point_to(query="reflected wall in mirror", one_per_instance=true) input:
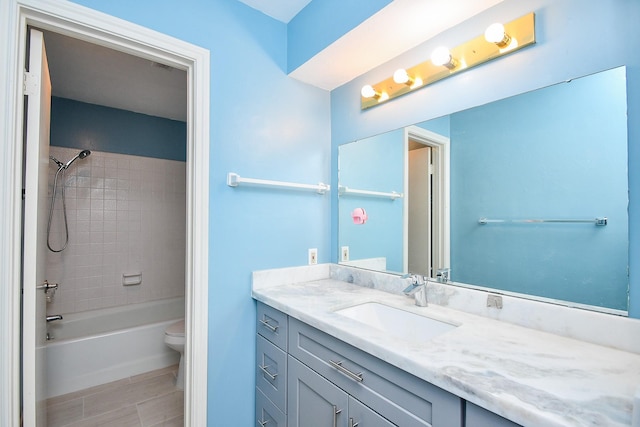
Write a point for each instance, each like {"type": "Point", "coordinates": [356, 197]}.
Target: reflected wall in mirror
{"type": "Point", "coordinates": [555, 153]}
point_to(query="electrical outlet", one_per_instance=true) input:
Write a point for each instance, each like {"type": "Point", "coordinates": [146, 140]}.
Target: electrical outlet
{"type": "Point", "coordinates": [344, 253]}
{"type": "Point", "coordinates": [313, 256]}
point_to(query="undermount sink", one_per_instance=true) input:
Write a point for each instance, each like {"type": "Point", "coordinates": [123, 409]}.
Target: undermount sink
{"type": "Point", "coordinates": [396, 322]}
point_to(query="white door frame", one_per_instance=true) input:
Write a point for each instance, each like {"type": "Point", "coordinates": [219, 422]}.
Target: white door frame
{"type": "Point", "coordinates": [441, 218]}
{"type": "Point", "coordinates": [96, 27]}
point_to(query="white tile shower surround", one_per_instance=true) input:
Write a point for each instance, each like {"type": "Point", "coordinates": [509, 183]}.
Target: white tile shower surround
{"type": "Point", "coordinates": [149, 399]}
{"type": "Point", "coordinates": [126, 214]}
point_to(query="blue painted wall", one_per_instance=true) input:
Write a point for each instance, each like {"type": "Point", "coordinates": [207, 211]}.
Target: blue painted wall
{"type": "Point", "coordinates": [80, 125]}
{"type": "Point", "coordinates": [565, 49]}
{"type": "Point", "coordinates": [321, 23]}
{"type": "Point", "coordinates": [374, 164]}
{"type": "Point", "coordinates": [263, 125]}
{"type": "Point", "coordinates": [562, 155]}
{"type": "Point", "coordinates": [440, 125]}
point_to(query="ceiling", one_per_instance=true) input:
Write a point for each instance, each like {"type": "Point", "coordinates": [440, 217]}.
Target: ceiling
{"type": "Point", "coordinates": [282, 10]}
{"type": "Point", "coordinates": [98, 75]}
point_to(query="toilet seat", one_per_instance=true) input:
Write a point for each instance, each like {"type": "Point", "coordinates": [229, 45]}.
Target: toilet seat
{"type": "Point", "coordinates": [176, 329]}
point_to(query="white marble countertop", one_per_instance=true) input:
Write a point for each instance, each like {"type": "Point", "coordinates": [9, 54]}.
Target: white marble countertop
{"type": "Point", "coordinates": [531, 377]}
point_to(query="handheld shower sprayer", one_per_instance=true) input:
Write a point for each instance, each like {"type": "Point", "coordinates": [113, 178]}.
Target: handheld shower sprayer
{"type": "Point", "coordinates": [62, 167]}
{"type": "Point", "coordinates": [80, 155]}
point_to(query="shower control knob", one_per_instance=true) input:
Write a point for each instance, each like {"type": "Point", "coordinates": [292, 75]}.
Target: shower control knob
{"type": "Point", "coordinates": [47, 286]}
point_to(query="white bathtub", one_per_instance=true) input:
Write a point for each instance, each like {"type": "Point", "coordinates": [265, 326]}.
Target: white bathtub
{"type": "Point", "coordinates": [99, 346]}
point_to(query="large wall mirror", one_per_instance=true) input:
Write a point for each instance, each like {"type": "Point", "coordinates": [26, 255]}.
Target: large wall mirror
{"type": "Point", "coordinates": [527, 195]}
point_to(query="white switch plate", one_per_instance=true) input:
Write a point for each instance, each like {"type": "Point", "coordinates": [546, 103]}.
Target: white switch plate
{"type": "Point", "coordinates": [313, 256]}
{"type": "Point", "coordinates": [344, 253]}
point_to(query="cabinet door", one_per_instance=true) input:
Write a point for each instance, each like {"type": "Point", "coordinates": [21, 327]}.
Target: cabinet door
{"type": "Point", "coordinates": [397, 395]}
{"type": "Point", "coordinates": [363, 416]}
{"type": "Point", "coordinates": [314, 401]}
{"type": "Point", "coordinates": [479, 417]}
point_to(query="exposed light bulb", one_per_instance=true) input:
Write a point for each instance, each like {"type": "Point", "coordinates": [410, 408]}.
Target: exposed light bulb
{"type": "Point", "coordinates": [368, 92]}
{"type": "Point", "coordinates": [401, 76]}
{"type": "Point", "coordinates": [495, 33]}
{"type": "Point", "coordinates": [441, 57]}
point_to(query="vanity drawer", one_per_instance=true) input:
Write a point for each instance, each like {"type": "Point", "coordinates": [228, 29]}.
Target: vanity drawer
{"type": "Point", "coordinates": [272, 324]}
{"type": "Point", "coordinates": [266, 412]}
{"type": "Point", "coordinates": [400, 397]}
{"type": "Point", "coordinates": [271, 372]}
{"type": "Point", "coordinates": [479, 417]}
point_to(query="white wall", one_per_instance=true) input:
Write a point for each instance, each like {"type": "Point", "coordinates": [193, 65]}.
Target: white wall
{"type": "Point", "coordinates": [126, 214]}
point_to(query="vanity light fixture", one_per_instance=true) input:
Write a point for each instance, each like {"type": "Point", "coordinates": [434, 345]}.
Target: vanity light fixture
{"type": "Point", "coordinates": [441, 57]}
{"type": "Point", "coordinates": [498, 40]}
{"type": "Point", "coordinates": [402, 77]}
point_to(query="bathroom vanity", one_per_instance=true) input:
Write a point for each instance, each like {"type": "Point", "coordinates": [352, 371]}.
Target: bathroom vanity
{"type": "Point", "coordinates": [323, 358]}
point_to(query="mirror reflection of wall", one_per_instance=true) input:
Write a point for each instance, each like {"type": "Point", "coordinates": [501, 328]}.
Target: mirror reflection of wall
{"type": "Point", "coordinates": [376, 164]}
{"type": "Point", "coordinates": [558, 152]}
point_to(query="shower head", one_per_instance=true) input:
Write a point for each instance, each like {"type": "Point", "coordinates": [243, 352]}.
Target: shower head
{"type": "Point", "coordinates": [83, 154]}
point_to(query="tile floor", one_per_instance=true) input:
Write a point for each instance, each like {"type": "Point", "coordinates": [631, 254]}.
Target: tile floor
{"type": "Point", "coordinates": [146, 400]}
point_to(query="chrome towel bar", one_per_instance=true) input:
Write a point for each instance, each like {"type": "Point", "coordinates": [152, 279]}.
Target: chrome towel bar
{"type": "Point", "coordinates": [601, 221]}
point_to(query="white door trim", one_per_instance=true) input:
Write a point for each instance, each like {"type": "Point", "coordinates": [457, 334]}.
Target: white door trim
{"type": "Point", "coordinates": [441, 218]}
{"type": "Point", "coordinates": [95, 27]}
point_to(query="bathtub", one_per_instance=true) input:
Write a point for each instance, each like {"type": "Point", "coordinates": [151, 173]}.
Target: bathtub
{"type": "Point", "coordinates": [99, 346]}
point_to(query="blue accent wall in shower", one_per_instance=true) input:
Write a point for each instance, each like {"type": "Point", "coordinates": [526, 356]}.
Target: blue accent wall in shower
{"type": "Point", "coordinates": [76, 124]}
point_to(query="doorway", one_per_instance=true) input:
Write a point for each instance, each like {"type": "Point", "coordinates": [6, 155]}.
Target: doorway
{"type": "Point", "coordinates": [95, 27]}
{"type": "Point", "coordinates": [426, 207]}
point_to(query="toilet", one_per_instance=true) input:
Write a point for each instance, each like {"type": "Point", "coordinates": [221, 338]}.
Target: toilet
{"type": "Point", "coordinates": [174, 338]}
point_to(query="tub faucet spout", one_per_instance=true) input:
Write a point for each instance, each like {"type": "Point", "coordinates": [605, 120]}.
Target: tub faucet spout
{"type": "Point", "coordinates": [54, 317]}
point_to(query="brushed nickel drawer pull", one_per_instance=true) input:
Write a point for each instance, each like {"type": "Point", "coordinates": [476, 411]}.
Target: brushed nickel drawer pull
{"type": "Point", "coordinates": [336, 411]}
{"type": "Point", "coordinates": [338, 365]}
{"type": "Point", "coordinates": [268, 325]}
{"type": "Point", "coordinates": [262, 423]}
{"type": "Point", "coordinates": [352, 423]}
{"type": "Point", "coordinates": [266, 372]}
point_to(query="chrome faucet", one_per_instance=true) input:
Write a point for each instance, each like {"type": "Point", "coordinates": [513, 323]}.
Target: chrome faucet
{"type": "Point", "coordinates": [417, 288]}
{"type": "Point", "coordinates": [54, 317]}
{"type": "Point", "coordinates": [443, 275]}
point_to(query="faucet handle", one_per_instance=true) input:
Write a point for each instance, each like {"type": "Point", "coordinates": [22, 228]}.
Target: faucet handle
{"type": "Point", "coordinates": [415, 279]}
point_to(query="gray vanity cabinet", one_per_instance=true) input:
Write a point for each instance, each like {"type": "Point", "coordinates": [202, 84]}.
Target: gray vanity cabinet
{"type": "Point", "coordinates": [307, 378]}
{"type": "Point", "coordinates": [316, 402]}
{"type": "Point", "coordinates": [479, 417]}
{"type": "Point", "coordinates": [398, 396]}
{"type": "Point", "coordinates": [271, 366]}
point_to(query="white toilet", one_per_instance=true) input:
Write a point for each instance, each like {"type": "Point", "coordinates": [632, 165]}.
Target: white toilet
{"type": "Point", "coordinates": [174, 338]}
